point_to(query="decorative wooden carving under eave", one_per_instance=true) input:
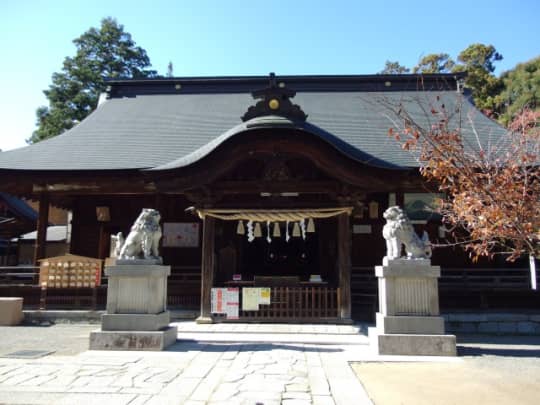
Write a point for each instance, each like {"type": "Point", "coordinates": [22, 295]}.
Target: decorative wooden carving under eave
{"type": "Point", "coordinates": [203, 196]}
{"type": "Point", "coordinates": [347, 195]}
{"type": "Point", "coordinates": [274, 100]}
{"type": "Point", "coordinates": [277, 171]}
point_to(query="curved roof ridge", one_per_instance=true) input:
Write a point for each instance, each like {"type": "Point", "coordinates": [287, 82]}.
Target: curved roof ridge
{"type": "Point", "coordinates": [275, 121]}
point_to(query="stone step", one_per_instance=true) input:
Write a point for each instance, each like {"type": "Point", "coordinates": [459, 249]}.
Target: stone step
{"type": "Point", "coordinates": [285, 338]}
{"type": "Point", "coordinates": [273, 328]}
{"type": "Point", "coordinates": [274, 333]}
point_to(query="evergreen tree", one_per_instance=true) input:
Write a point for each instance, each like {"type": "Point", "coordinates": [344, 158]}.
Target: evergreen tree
{"type": "Point", "coordinates": [521, 89]}
{"type": "Point", "coordinates": [478, 61]}
{"type": "Point", "coordinates": [434, 63]}
{"type": "Point", "coordinates": [393, 68]}
{"type": "Point", "coordinates": [104, 52]}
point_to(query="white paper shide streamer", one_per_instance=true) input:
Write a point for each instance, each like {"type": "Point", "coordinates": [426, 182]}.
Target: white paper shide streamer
{"type": "Point", "coordinates": [250, 235]}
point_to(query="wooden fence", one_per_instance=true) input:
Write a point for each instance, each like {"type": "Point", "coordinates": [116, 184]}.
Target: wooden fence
{"type": "Point", "coordinates": [302, 303]}
{"type": "Point", "coordinates": [459, 288]}
{"type": "Point", "coordinates": [19, 275]}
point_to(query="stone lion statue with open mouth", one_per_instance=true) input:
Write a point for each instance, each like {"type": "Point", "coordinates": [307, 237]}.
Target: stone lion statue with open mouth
{"type": "Point", "coordinates": [399, 231]}
{"type": "Point", "coordinates": [143, 239]}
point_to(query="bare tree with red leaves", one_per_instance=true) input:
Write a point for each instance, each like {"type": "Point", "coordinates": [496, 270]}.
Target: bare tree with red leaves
{"type": "Point", "coordinates": [492, 190]}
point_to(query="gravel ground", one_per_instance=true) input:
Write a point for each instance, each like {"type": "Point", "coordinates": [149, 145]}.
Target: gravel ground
{"type": "Point", "coordinates": [493, 370]}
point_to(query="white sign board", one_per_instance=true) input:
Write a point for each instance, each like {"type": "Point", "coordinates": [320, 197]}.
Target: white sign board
{"type": "Point", "coordinates": [181, 234]}
{"type": "Point", "coordinates": [253, 297]}
{"type": "Point", "coordinates": [226, 301]}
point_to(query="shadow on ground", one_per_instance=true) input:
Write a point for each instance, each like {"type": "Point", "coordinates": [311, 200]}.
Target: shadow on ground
{"type": "Point", "coordinates": [484, 351]}
{"type": "Point", "coordinates": [187, 345]}
{"type": "Point", "coordinates": [493, 345]}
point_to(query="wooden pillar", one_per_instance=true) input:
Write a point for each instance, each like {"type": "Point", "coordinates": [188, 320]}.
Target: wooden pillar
{"type": "Point", "coordinates": [207, 269]}
{"type": "Point", "coordinates": [43, 221]}
{"type": "Point", "coordinates": [344, 265]}
{"type": "Point", "coordinates": [400, 199]}
{"type": "Point", "coordinates": [103, 242]}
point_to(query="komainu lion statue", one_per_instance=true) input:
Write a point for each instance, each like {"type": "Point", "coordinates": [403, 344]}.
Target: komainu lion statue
{"type": "Point", "coordinates": [398, 230]}
{"type": "Point", "coordinates": [143, 239]}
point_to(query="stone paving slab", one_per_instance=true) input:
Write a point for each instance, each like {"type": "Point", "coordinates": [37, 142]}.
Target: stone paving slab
{"type": "Point", "coordinates": [244, 365]}
{"type": "Point", "coordinates": [222, 372]}
{"type": "Point", "coordinates": [210, 364]}
{"type": "Point", "coordinates": [189, 373]}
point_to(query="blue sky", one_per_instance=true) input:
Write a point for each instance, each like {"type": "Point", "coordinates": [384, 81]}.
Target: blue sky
{"type": "Point", "coordinates": [253, 37]}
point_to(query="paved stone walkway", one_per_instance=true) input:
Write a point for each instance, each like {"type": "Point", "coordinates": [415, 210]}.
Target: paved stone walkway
{"type": "Point", "coordinates": [267, 370]}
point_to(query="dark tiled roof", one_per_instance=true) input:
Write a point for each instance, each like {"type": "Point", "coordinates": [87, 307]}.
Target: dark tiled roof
{"type": "Point", "coordinates": [151, 124]}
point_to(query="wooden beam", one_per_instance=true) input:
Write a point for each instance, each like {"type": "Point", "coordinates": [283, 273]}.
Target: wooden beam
{"type": "Point", "coordinates": [42, 223]}
{"type": "Point", "coordinates": [207, 269]}
{"type": "Point", "coordinates": [75, 186]}
{"type": "Point", "coordinates": [258, 186]}
{"type": "Point", "coordinates": [344, 266]}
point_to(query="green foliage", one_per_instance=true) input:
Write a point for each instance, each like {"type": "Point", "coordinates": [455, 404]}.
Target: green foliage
{"type": "Point", "coordinates": [393, 68]}
{"type": "Point", "coordinates": [521, 89]}
{"type": "Point", "coordinates": [435, 63]}
{"type": "Point", "coordinates": [480, 56]}
{"type": "Point", "coordinates": [107, 52]}
{"type": "Point", "coordinates": [478, 61]}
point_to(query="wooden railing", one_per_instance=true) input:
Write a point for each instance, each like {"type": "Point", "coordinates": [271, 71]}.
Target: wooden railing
{"type": "Point", "coordinates": [16, 275]}
{"type": "Point", "coordinates": [184, 287]}
{"type": "Point", "coordinates": [364, 293]}
{"type": "Point", "coordinates": [485, 279]}
{"type": "Point", "coordinates": [487, 288]}
{"type": "Point", "coordinates": [297, 304]}
{"type": "Point", "coordinates": [458, 288]}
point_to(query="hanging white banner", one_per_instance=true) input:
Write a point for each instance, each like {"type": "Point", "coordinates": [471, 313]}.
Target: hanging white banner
{"type": "Point", "coordinates": [532, 267]}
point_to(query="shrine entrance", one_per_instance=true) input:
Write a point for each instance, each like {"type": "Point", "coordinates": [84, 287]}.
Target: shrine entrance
{"type": "Point", "coordinates": [262, 177]}
{"type": "Point", "coordinates": [271, 254]}
{"type": "Point", "coordinates": [277, 257]}
{"type": "Point", "coordinates": [273, 265]}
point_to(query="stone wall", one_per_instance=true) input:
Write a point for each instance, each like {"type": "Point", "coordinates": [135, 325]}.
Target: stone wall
{"type": "Point", "coordinates": [493, 323]}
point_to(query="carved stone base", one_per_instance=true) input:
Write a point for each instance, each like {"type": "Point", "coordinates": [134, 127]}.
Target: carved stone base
{"type": "Point", "coordinates": [408, 322]}
{"type": "Point", "coordinates": [137, 289]}
{"type": "Point", "coordinates": [413, 345]}
{"type": "Point", "coordinates": [408, 287]}
{"type": "Point", "coordinates": [135, 322]}
{"type": "Point", "coordinates": [430, 325]}
{"type": "Point", "coordinates": [133, 340]}
{"type": "Point", "coordinates": [138, 262]}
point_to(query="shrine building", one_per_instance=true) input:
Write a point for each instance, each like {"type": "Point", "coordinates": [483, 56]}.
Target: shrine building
{"type": "Point", "coordinates": [276, 182]}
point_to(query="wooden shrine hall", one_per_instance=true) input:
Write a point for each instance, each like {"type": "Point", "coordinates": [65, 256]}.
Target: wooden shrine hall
{"type": "Point", "coordinates": [266, 185]}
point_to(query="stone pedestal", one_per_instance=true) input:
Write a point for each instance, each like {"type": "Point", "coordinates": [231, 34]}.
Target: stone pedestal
{"type": "Point", "coordinates": [408, 321]}
{"type": "Point", "coordinates": [137, 316]}
{"type": "Point", "coordinates": [11, 311]}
